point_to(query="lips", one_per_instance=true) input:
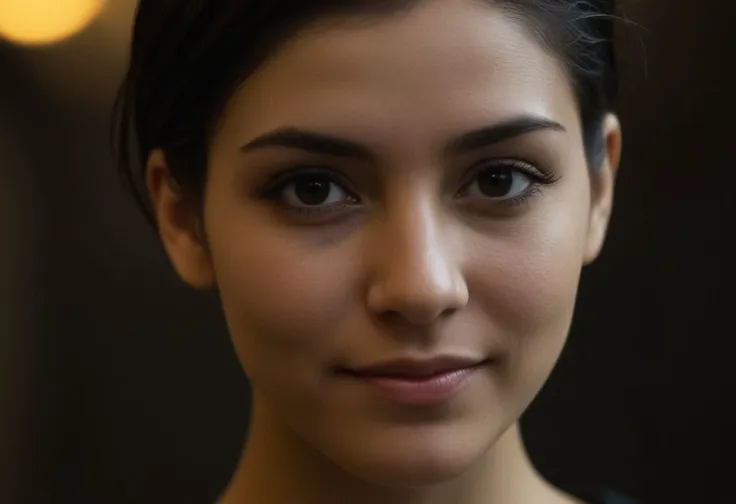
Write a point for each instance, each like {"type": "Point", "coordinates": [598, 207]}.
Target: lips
{"type": "Point", "coordinates": [416, 369]}
{"type": "Point", "coordinates": [416, 382]}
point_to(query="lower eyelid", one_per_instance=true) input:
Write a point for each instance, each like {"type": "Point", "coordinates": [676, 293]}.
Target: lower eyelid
{"type": "Point", "coordinates": [488, 206]}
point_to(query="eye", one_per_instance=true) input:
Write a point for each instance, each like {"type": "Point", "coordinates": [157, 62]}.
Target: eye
{"type": "Point", "coordinates": [503, 180]}
{"type": "Point", "coordinates": [313, 190]}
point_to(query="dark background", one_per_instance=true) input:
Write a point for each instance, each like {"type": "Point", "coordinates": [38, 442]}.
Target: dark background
{"type": "Point", "coordinates": [118, 385]}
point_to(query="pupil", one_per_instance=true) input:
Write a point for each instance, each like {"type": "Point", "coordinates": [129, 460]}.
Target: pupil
{"type": "Point", "coordinates": [312, 191]}
{"type": "Point", "coordinates": [496, 183]}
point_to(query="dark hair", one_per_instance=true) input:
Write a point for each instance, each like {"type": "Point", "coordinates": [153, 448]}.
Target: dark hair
{"type": "Point", "coordinates": [188, 57]}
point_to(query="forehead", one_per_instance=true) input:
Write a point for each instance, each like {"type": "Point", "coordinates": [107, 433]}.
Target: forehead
{"type": "Point", "coordinates": [442, 66]}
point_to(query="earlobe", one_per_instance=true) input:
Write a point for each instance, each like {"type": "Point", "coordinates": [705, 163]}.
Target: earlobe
{"type": "Point", "coordinates": [179, 225]}
{"type": "Point", "coordinates": [603, 181]}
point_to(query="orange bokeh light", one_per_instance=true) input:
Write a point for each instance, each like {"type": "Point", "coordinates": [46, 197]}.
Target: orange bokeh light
{"type": "Point", "coordinates": [41, 22]}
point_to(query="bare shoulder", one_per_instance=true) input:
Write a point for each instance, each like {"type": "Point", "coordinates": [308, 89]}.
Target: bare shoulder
{"type": "Point", "coordinates": [558, 496]}
{"type": "Point", "coordinates": [599, 497]}
{"type": "Point", "coordinates": [565, 498]}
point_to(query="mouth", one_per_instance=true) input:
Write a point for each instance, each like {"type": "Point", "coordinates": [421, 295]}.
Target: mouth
{"type": "Point", "coordinates": [413, 382]}
{"type": "Point", "coordinates": [416, 369]}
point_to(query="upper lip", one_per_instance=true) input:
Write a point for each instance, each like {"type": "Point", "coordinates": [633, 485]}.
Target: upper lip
{"type": "Point", "coordinates": [416, 368]}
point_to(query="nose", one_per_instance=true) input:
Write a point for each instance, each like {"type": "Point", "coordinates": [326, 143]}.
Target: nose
{"type": "Point", "coordinates": [419, 276]}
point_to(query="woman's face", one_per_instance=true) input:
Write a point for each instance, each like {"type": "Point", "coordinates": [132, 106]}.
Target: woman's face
{"type": "Point", "coordinates": [410, 188]}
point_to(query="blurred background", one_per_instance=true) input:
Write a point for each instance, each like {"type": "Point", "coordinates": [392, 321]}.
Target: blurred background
{"type": "Point", "coordinates": [118, 385]}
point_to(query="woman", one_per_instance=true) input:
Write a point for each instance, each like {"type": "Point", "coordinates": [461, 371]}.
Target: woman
{"type": "Point", "coordinates": [394, 201]}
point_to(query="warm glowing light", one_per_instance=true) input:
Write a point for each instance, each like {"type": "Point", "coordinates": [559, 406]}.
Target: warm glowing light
{"type": "Point", "coordinates": [39, 22]}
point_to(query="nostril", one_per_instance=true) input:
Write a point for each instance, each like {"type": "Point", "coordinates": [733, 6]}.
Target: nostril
{"type": "Point", "coordinates": [417, 315]}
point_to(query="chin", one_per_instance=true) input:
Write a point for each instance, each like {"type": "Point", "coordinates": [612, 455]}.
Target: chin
{"type": "Point", "coordinates": [414, 460]}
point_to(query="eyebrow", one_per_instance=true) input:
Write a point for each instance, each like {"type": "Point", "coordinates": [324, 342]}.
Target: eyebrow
{"type": "Point", "coordinates": [320, 143]}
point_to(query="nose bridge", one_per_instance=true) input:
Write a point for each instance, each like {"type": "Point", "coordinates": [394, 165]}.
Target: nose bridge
{"type": "Point", "coordinates": [419, 253]}
{"type": "Point", "coordinates": [419, 273]}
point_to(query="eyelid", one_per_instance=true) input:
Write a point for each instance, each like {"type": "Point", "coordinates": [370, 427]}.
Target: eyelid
{"type": "Point", "coordinates": [521, 165]}
{"type": "Point", "coordinates": [277, 183]}
{"type": "Point", "coordinates": [528, 168]}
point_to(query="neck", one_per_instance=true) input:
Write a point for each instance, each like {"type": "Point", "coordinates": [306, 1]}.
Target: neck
{"type": "Point", "coordinates": [277, 467]}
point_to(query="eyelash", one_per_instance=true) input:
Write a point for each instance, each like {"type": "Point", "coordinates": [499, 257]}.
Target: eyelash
{"type": "Point", "coordinates": [538, 179]}
{"type": "Point", "coordinates": [274, 189]}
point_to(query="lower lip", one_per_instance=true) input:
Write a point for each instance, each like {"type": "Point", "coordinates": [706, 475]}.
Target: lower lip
{"type": "Point", "coordinates": [427, 391]}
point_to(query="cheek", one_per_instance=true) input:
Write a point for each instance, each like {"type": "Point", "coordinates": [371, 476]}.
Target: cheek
{"type": "Point", "coordinates": [526, 284]}
{"type": "Point", "coordinates": [282, 296]}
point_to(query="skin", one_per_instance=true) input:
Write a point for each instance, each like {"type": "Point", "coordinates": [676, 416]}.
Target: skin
{"type": "Point", "coordinates": [417, 262]}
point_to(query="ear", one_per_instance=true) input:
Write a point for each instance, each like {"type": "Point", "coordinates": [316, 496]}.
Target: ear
{"type": "Point", "coordinates": [179, 225]}
{"type": "Point", "coordinates": [603, 180]}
